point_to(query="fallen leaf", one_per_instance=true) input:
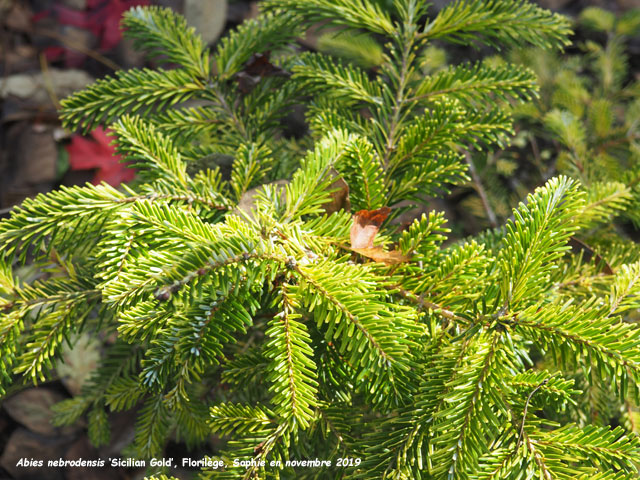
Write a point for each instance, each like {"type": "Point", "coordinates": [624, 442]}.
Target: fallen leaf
{"type": "Point", "coordinates": [122, 432]}
{"type": "Point", "coordinates": [377, 254]}
{"type": "Point", "coordinates": [19, 58]}
{"type": "Point", "coordinates": [79, 361]}
{"type": "Point", "coordinates": [259, 64]}
{"type": "Point", "coordinates": [366, 224]}
{"type": "Point", "coordinates": [18, 17]}
{"type": "Point", "coordinates": [77, 4]}
{"type": "Point", "coordinates": [339, 195]}
{"type": "Point", "coordinates": [32, 408]}
{"type": "Point", "coordinates": [33, 86]}
{"type": "Point", "coordinates": [98, 154]}
{"type": "Point", "coordinates": [248, 200]}
{"type": "Point", "coordinates": [82, 449]}
{"type": "Point", "coordinates": [578, 245]}
{"type": "Point", "coordinates": [23, 444]}
{"type": "Point", "coordinates": [35, 156]}
{"type": "Point", "coordinates": [255, 69]}
{"type": "Point", "coordinates": [100, 17]}
{"type": "Point", "coordinates": [81, 38]}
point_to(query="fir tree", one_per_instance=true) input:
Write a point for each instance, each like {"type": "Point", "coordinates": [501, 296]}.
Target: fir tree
{"type": "Point", "coordinates": [585, 123]}
{"type": "Point", "coordinates": [412, 359]}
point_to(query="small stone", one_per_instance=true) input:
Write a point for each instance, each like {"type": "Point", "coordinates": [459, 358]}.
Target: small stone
{"type": "Point", "coordinates": [207, 16]}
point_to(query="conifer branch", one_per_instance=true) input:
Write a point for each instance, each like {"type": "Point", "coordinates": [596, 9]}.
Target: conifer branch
{"type": "Point", "coordinates": [292, 368]}
{"type": "Point", "coordinates": [513, 22]}
{"type": "Point", "coordinates": [164, 34]}
{"type": "Point", "coordinates": [133, 91]}
{"type": "Point", "coordinates": [425, 304]}
{"type": "Point", "coordinates": [403, 74]}
{"type": "Point", "coordinates": [422, 369]}
{"type": "Point", "coordinates": [530, 246]}
{"type": "Point", "coordinates": [477, 83]}
{"type": "Point", "coordinates": [363, 14]}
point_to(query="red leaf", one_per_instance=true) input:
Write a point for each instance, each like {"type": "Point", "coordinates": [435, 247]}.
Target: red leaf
{"type": "Point", "coordinates": [109, 21]}
{"type": "Point", "coordinates": [98, 153]}
{"type": "Point", "coordinates": [100, 17]}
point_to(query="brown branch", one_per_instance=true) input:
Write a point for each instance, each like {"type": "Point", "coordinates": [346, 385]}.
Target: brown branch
{"type": "Point", "coordinates": [77, 46]}
{"type": "Point", "coordinates": [481, 191]}
{"type": "Point", "coordinates": [427, 305]}
{"type": "Point", "coordinates": [185, 198]}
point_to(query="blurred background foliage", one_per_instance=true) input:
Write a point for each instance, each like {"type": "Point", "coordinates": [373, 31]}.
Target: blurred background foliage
{"type": "Point", "coordinates": [585, 123]}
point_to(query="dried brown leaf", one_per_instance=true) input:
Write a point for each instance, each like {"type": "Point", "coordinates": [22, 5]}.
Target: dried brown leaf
{"type": "Point", "coordinates": [366, 224]}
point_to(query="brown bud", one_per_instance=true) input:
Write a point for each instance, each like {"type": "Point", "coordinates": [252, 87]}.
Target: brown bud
{"type": "Point", "coordinates": [163, 294]}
